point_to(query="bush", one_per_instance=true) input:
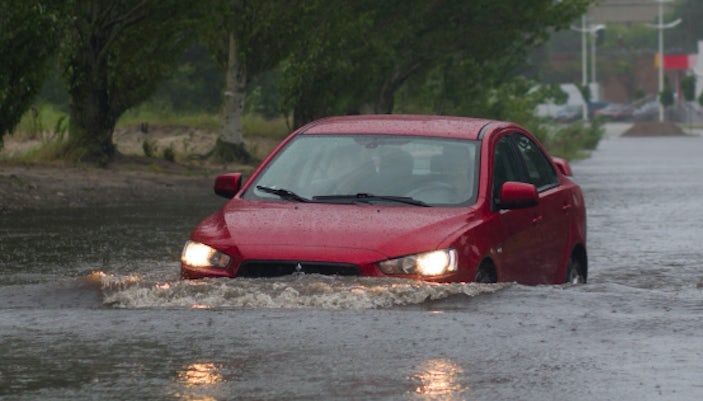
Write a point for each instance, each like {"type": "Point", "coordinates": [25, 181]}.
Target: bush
{"type": "Point", "coordinates": [149, 148]}
{"type": "Point", "coordinates": [169, 154]}
{"type": "Point", "coordinates": [572, 140]}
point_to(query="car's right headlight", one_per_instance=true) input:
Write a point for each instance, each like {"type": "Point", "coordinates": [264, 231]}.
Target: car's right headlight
{"type": "Point", "coordinates": [197, 255]}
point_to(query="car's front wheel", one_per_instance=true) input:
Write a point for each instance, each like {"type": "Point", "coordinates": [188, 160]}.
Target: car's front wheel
{"type": "Point", "coordinates": [575, 272]}
{"type": "Point", "coordinates": [486, 274]}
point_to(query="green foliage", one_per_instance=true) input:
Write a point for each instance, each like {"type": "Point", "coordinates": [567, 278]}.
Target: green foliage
{"type": "Point", "coordinates": [570, 141]}
{"type": "Point", "coordinates": [115, 55]}
{"type": "Point", "coordinates": [195, 85]}
{"type": "Point", "coordinates": [36, 122]}
{"type": "Point", "coordinates": [666, 96]}
{"type": "Point", "coordinates": [160, 116]}
{"type": "Point", "coordinates": [687, 35]}
{"type": "Point", "coordinates": [226, 152]}
{"type": "Point", "coordinates": [263, 97]}
{"type": "Point", "coordinates": [301, 58]}
{"type": "Point", "coordinates": [362, 54]}
{"type": "Point", "coordinates": [256, 125]}
{"type": "Point", "coordinates": [688, 87]}
{"type": "Point", "coordinates": [333, 62]}
{"type": "Point", "coordinates": [29, 33]}
{"type": "Point", "coordinates": [169, 154]}
{"type": "Point", "coordinates": [60, 129]}
{"type": "Point", "coordinates": [149, 148]}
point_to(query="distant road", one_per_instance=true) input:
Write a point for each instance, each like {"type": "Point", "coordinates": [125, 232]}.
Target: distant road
{"type": "Point", "coordinates": [614, 129]}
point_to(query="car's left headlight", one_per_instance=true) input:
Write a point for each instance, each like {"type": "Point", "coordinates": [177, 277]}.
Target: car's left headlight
{"type": "Point", "coordinates": [432, 263]}
{"type": "Point", "coordinates": [196, 254]}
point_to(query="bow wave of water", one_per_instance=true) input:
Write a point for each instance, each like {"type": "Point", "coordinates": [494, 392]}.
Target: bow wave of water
{"type": "Point", "coordinates": [297, 291]}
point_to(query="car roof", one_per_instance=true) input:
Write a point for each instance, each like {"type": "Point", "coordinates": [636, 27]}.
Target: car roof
{"type": "Point", "coordinates": [402, 124]}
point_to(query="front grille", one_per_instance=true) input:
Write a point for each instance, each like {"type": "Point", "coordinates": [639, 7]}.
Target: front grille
{"type": "Point", "coordinates": [276, 268]}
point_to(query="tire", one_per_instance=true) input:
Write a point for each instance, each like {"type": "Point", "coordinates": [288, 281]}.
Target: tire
{"type": "Point", "coordinates": [574, 272]}
{"type": "Point", "coordinates": [486, 274]}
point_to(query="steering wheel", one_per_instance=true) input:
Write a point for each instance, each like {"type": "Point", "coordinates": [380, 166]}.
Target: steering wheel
{"type": "Point", "coordinates": [435, 192]}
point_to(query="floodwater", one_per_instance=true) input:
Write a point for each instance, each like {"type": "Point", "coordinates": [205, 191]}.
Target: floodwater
{"type": "Point", "coordinates": [91, 309]}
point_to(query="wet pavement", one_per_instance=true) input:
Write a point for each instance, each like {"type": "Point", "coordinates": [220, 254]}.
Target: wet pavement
{"type": "Point", "coordinates": [91, 308]}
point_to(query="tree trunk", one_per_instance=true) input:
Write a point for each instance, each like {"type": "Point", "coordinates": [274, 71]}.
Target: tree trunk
{"type": "Point", "coordinates": [235, 90]}
{"type": "Point", "coordinates": [230, 144]}
{"type": "Point", "coordinates": [302, 114]}
{"type": "Point", "coordinates": [92, 121]}
{"type": "Point", "coordinates": [386, 99]}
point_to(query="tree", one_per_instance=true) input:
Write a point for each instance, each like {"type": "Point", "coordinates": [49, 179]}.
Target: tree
{"type": "Point", "coordinates": [195, 85]}
{"type": "Point", "coordinates": [115, 54]}
{"type": "Point", "coordinates": [332, 63]}
{"type": "Point", "coordinates": [687, 35]}
{"type": "Point", "coordinates": [29, 35]}
{"type": "Point", "coordinates": [688, 87]}
{"type": "Point", "coordinates": [666, 96]}
{"type": "Point", "coordinates": [371, 49]}
{"type": "Point", "coordinates": [247, 37]}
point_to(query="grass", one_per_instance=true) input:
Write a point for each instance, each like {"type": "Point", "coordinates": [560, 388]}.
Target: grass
{"type": "Point", "coordinates": [255, 125]}
{"type": "Point", "coordinates": [46, 126]}
{"type": "Point", "coordinates": [252, 125]}
{"type": "Point", "coordinates": [43, 121]}
{"type": "Point", "coordinates": [154, 117]}
{"type": "Point", "coordinates": [48, 123]}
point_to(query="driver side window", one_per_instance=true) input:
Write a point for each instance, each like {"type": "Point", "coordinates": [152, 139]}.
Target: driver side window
{"type": "Point", "coordinates": [505, 167]}
{"type": "Point", "coordinates": [539, 170]}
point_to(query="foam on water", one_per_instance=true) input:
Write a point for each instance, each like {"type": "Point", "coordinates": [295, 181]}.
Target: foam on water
{"type": "Point", "coordinates": [299, 291]}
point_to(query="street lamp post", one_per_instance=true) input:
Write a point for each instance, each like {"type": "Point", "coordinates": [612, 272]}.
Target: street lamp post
{"type": "Point", "coordinates": [661, 26]}
{"type": "Point", "coordinates": [594, 33]}
{"type": "Point", "coordinates": [585, 31]}
{"type": "Point", "coordinates": [584, 67]}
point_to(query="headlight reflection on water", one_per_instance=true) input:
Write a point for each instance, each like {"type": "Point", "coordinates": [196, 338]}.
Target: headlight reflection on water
{"type": "Point", "coordinates": [200, 374]}
{"type": "Point", "coordinates": [198, 378]}
{"type": "Point", "coordinates": [439, 378]}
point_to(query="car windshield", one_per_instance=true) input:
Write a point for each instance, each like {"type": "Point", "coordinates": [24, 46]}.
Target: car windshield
{"type": "Point", "coordinates": [374, 169]}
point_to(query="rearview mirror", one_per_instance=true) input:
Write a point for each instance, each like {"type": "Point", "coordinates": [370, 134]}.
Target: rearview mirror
{"type": "Point", "coordinates": [227, 185]}
{"type": "Point", "coordinates": [517, 195]}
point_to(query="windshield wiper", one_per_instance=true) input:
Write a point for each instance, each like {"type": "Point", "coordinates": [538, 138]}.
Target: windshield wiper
{"type": "Point", "coordinates": [364, 197]}
{"type": "Point", "coordinates": [283, 193]}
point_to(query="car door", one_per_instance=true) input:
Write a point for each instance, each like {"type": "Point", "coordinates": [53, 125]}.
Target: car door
{"type": "Point", "coordinates": [552, 225]}
{"type": "Point", "coordinates": [518, 252]}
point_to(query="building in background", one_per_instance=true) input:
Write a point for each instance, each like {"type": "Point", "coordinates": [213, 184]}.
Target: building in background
{"type": "Point", "coordinates": [625, 11]}
{"type": "Point", "coordinates": [627, 75]}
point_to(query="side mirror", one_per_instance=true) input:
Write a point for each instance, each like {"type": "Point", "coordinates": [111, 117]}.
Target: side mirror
{"type": "Point", "coordinates": [562, 165]}
{"type": "Point", "coordinates": [517, 195]}
{"type": "Point", "coordinates": [227, 185]}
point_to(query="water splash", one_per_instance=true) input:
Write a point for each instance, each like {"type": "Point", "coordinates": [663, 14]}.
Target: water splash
{"type": "Point", "coordinates": [301, 291]}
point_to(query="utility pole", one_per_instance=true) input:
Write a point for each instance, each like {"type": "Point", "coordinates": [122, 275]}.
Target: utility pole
{"type": "Point", "coordinates": [587, 30]}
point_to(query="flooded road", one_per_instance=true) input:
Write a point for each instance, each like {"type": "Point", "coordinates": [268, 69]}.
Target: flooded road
{"type": "Point", "coordinates": [91, 309]}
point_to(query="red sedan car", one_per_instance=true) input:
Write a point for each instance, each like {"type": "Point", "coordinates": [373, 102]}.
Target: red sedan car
{"type": "Point", "coordinates": [445, 199]}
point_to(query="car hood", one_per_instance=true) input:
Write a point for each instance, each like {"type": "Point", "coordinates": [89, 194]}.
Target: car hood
{"type": "Point", "coordinates": [389, 230]}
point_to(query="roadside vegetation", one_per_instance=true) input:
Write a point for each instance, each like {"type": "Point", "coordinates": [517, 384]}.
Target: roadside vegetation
{"type": "Point", "coordinates": [258, 69]}
{"type": "Point", "coordinates": [48, 130]}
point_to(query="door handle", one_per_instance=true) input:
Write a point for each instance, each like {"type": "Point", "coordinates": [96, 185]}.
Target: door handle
{"type": "Point", "coordinates": [566, 207]}
{"type": "Point", "coordinates": [537, 219]}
